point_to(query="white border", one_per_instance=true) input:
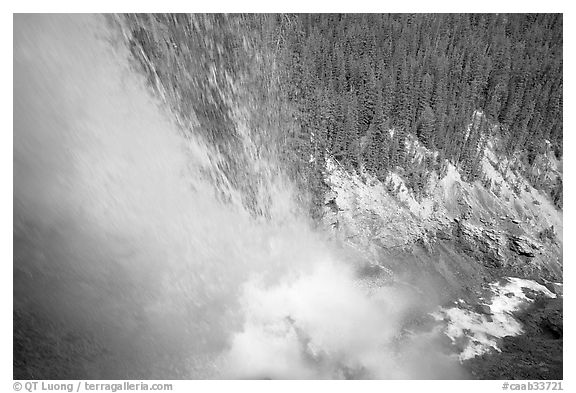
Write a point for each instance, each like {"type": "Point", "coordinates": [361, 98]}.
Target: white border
{"type": "Point", "coordinates": [6, 155]}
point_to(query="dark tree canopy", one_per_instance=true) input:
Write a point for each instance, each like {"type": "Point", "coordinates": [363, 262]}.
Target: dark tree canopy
{"type": "Point", "coordinates": [351, 78]}
{"type": "Point", "coordinates": [427, 74]}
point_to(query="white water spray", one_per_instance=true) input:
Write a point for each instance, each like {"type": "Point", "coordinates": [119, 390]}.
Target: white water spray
{"type": "Point", "coordinates": [118, 235]}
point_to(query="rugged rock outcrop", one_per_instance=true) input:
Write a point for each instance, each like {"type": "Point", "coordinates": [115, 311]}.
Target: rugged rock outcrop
{"type": "Point", "coordinates": [523, 246]}
{"type": "Point", "coordinates": [499, 231]}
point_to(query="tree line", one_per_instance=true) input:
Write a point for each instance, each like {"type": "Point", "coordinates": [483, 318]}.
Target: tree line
{"type": "Point", "coordinates": [354, 77]}
{"type": "Point", "coordinates": [359, 86]}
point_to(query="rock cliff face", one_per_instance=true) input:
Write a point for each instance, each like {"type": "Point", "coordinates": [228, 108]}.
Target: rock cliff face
{"type": "Point", "coordinates": [515, 252]}
{"type": "Point", "coordinates": [456, 245]}
{"type": "Point", "coordinates": [505, 226]}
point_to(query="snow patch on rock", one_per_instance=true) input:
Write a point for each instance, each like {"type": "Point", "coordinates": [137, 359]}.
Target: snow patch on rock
{"type": "Point", "coordinates": [478, 333]}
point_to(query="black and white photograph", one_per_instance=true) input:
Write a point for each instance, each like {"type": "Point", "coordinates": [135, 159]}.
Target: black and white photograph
{"type": "Point", "coordinates": [280, 196]}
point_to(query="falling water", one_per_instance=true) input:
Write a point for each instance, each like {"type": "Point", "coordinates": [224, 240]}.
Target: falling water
{"type": "Point", "coordinates": [120, 237]}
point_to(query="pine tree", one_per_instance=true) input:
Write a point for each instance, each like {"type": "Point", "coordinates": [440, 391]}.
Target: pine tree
{"type": "Point", "coordinates": [426, 126]}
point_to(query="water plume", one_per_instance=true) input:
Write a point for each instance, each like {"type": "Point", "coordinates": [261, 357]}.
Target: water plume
{"type": "Point", "coordinates": [120, 236]}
